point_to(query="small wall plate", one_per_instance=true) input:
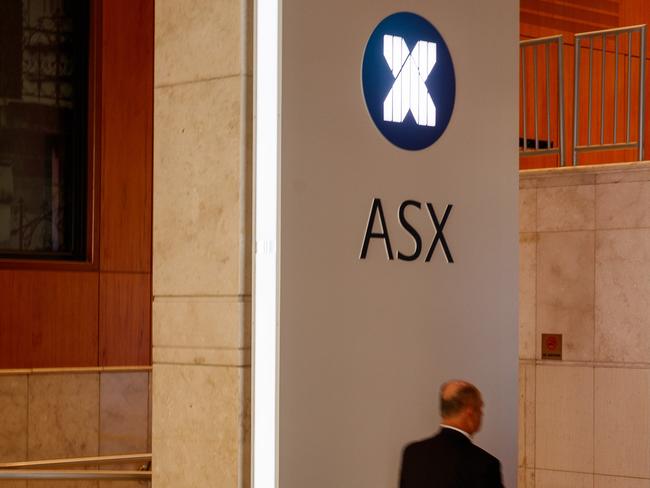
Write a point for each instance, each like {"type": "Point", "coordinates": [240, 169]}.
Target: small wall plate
{"type": "Point", "coordinates": [552, 346]}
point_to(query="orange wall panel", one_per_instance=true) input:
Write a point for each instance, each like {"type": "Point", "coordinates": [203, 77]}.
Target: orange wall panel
{"type": "Point", "coordinates": [61, 314]}
{"type": "Point", "coordinates": [125, 319]}
{"type": "Point", "coordinates": [127, 122]}
{"type": "Point", "coordinates": [48, 319]}
{"type": "Point", "coordinates": [540, 18]}
{"type": "Point", "coordinates": [15, 334]}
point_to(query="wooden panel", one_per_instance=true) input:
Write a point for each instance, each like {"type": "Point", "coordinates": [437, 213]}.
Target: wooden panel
{"type": "Point", "coordinates": [127, 129]}
{"type": "Point", "coordinates": [548, 17]}
{"type": "Point", "coordinates": [634, 12]}
{"type": "Point", "coordinates": [540, 18]}
{"type": "Point", "coordinates": [49, 319]}
{"type": "Point", "coordinates": [15, 334]}
{"type": "Point", "coordinates": [50, 312]}
{"type": "Point", "coordinates": [125, 319]}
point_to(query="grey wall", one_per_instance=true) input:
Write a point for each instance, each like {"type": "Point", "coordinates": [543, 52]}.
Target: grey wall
{"type": "Point", "coordinates": [365, 344]}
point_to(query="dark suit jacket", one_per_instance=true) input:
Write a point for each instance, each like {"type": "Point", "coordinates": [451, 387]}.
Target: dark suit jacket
{"type": "Point", "coordinates": [449, 460]}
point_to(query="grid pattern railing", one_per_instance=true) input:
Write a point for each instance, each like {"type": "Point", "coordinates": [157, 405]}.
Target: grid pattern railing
{"type": "Point", "coordinates": [631, 43]}
{"type": "Point", "coordinates": [536, 48]}
{"type": "Point", "coordinates": [608, 93]}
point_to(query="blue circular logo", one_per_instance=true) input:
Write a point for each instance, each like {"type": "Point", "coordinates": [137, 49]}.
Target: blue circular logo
{"type": "Point", "coordinates": [408, 81]}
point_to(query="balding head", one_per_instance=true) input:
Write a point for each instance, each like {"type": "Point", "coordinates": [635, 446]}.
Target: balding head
{"type": "Point", "coordinates": [461, 405]}
{"type": "Point", "coordinates": [455, 395]}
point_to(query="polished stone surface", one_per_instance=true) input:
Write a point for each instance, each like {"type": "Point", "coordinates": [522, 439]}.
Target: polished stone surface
{"type": "Point", "coordinates": [63, 421]}
{"type": "Point", "coordinates": [623, 296]}
{"type": "Point", "coordinates": [521, 419]}
{"type": "Point", "coordinates": [564, 412]}
{"type": "Point", "coordinates": [527, 183]}
{"type": "Point", "coordinates": [13, 418]}
{"type": "Point", "coordinates": [591, 412]}
{"type": "Point", "coordinates": [198, 40]}
{"type": "Point", "coordinates": [566, 208]}
{"type": "Point", "coordinates": [203, 412]}
{"type": "Point", "coordinates": [202, 356]}
{"type": "Point", "coordinates": [65, 411]}
{"type": "Point", "coordinates": [565, 177]}
{"type": "Point", "coordinates": [199, 164]}
{"type": "Point", "coordinates": [525, 478]}
{"type": "Point", "coordinates": [527, 210]}
{"type": "Point", "coordinates": [620, 482]}
{"type": "Point", "coordinates": [562, 479]}
{"type": "Point", "coordinates": [527, 294]}
{"type": "Point", "coordinates": [565, 291]}
{"type": "Point", "coordinates": [638, 172]}
{"type": "Point", "coordinates": [202, 243]}
{"type": "Point", "coordinates": [124, 412]}
{"type": "Point", "coordinates": [221, 322]}
{"type": "Point", "coordinates": [528, 415]}
{"type": "Point", "coordinates": [63, 415]}
{"type": "Point", "coordinates": [623, 205]}
{"type": "Point", "coordinates": [622, 422]}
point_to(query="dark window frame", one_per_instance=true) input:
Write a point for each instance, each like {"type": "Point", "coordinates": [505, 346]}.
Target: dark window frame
{"type": "Point", "coordinates": [86, 256]}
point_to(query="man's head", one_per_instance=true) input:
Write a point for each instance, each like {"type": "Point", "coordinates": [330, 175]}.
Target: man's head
{"type": "Point", "coordinates": [461, 406]}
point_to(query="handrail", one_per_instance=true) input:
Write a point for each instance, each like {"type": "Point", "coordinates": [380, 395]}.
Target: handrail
{"type": "Point", "coordinates": [76, 474]}
{"type": "Point", "coordinates": [540, 40]}
{"type": "Point", "coordinates": [82, 461]}
{"type": "Point", "coordinates": [615, 30]}
{"type": "Point", "coordinates": [32, 470]}
{"type": "Point", "coordinates": [546, 45]}
{"type": "Point", "coordinates": [603, 144]}
{"type": "Point", "coordinates": [83, 369]}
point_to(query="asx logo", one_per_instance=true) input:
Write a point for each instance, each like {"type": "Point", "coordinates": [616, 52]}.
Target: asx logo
{"type": "Point", "coordinates": [409, 92]}
{"type": "Point", "coordinates": [408, 81]}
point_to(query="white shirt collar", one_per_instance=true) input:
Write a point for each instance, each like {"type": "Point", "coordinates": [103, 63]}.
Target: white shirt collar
{"type": "Point", "coordinates": [445, 426]}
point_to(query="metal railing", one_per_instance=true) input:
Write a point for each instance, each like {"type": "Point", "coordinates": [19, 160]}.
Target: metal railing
{"type": "Point", "coordinates": [602, 144]}
{"type": "Point", "coordinates": [45, 469]}
{"type": "Point", "coordinates": [534, 45]}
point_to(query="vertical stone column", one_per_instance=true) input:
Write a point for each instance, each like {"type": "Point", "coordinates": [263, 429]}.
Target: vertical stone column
{"type": "Point", "coordinates": [201, 243]}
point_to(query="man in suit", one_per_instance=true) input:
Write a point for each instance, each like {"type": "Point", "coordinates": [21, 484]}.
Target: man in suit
{"type": "Point", "coordinates": [450, 459]}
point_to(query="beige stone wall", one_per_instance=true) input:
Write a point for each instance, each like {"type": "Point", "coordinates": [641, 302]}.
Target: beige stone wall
{"type": "Point", "coordinates": [201, 243]}
{"type": "Point", "coordinates": [585, 273]}
{"type": "Point", "coordinates": [67, 415]}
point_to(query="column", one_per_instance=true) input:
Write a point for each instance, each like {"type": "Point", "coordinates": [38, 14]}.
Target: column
{"type": "Point", "coordinates": [201, 243]}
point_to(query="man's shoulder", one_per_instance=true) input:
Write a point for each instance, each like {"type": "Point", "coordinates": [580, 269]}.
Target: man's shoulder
{"type": "Point", "coordinates": [422, 447]}
{"type": "Point", "coordinates": [450, 454]}
{"type": "Point", "coordinates": [420, 444]}
{"type": "Point", "coordinates": [443, 439]}
{"type": "Point", "coordinates": [484, 456]}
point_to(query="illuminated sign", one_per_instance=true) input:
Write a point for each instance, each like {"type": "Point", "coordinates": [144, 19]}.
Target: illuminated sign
{"type": "Point", "coordinates": [409, 92]}
{"type": "Point", "coordinates": [408, 81]}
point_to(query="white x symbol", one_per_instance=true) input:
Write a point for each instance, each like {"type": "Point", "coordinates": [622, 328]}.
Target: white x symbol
{"type": "Point", "coordinates": [409, 91]}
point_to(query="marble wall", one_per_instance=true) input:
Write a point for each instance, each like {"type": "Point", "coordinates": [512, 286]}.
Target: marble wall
{"type": "Point", "coordinates": [201, 243]}
{"type": "Point", "coordinates": [63, 415]}
{"type": "Point", "coordinates": [585, 273]}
